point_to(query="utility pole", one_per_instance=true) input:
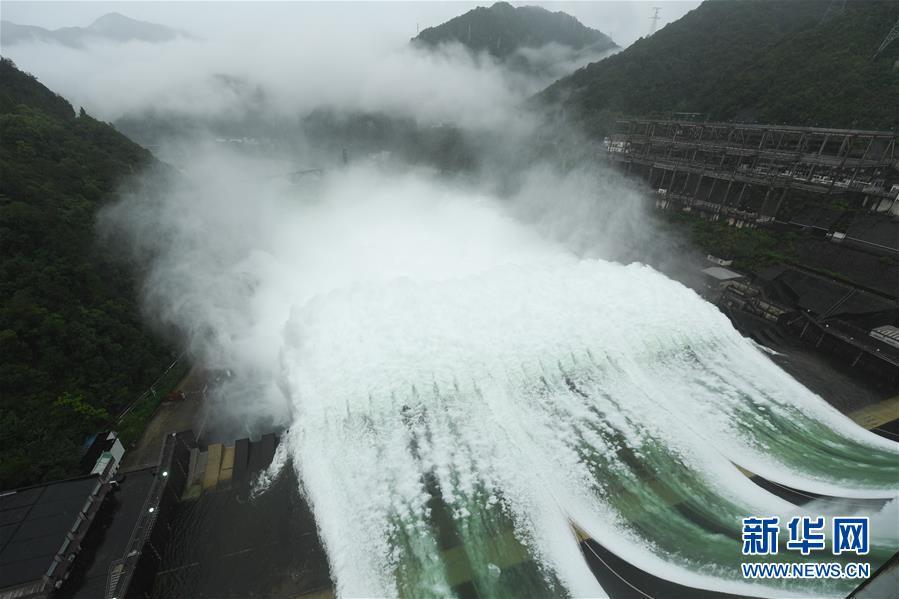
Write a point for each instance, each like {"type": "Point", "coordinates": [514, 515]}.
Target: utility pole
{"type": "Point", "coordinates": [655, 19]}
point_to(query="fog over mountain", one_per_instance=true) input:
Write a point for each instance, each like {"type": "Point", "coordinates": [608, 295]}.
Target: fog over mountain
{"type": "Point", "coordinates": [409, 118]}
{"type": "Point", "coordinates": [623, 20]}
{"type": "Point", "coordinates": [299, 65]}
{"type": "Point", "coordinates": [308, 80]}
{"type": "Point", "coordinates": [112, 27]}
{"type": "Point", "coordinates": [503, 29]}
{"type": "Point", "coordinates": [528, 38]}
{"type": "Point", "coordinates": [294, 52]}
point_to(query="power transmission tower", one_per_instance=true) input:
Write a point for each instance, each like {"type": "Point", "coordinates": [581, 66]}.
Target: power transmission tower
{"type": "Point", "coordinates": [893, 34]}
{"type": "Point", "coordinates": [655, 19]}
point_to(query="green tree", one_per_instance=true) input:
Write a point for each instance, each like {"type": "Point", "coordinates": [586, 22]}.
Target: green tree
{"type": "Point", "coordinates": [74, 350]}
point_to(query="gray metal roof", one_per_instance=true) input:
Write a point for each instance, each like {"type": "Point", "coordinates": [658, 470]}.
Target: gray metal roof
{"type": "Point", "coordinates": [721, 273]}
{"type": "Point", "coordinates": [33, 526]}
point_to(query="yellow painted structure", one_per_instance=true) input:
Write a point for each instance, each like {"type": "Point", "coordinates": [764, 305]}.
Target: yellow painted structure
{"type": "Point", "coordinates": [227, 469]}
{"type": "Point", "coordinates": [877, 415]}
{"type": "Point", "coordinates": [213, 465]}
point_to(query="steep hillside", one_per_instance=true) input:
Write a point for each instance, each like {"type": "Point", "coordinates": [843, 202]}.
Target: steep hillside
{"type": "Point", "coordinates": [74, 351]}
{"type": "Point", "coordinates": [766, 61]}
{"type": "Point", "coordinates": [503, 29]}
{"type": "Point", "coordinates": [825, 76]}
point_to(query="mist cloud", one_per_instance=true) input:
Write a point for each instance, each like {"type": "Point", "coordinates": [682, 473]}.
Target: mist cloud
{"type": "Point", "coordinates": [287, 61]}
{"type": "Point", "coordinates": [280, 77]}
{"type": "Point", "coordinates": [228, 247]}
{"type": "Point", "coordinates": [229, 251]}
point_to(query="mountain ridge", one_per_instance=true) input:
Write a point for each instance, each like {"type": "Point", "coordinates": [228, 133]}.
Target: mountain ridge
{"type": "Point", "coordinates": [502, 29]}
{"type": "Point", "coordinates": [114, 27]}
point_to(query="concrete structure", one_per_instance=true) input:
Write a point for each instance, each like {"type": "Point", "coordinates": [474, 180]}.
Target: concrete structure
{"type": "Point", "coordinates": [718, 261]}
{"type": "Point", "coordinates": [743, 172]}
{"type": "Point", "coordinates": [717, 279]}
{"type": "Point", "coordinates": [131, 575]}
{"type": "Point", "coordinates": [220, 465]}
{"type": "Point", "coordinates": [829, 315]}
{"type": "Point", "coordinates": [887, 334]}
{"type": "Point", "coordinates": [719, 273]}
{"type": "Point", "coordinates": [48, 546]}
{"type": "Point", "coordinates": [883, 582]}
{"type": "Point", "coordinates": [829, 197]}
{"type": "Point", "coordinates": [230, 540]}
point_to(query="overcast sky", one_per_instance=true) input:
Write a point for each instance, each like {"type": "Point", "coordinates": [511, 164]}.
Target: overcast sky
{"type": "Point", "coordinates": [624, 20]}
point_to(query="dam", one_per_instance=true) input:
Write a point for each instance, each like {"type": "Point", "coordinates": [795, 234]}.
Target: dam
{"type": "Point", "coordinates": [223, 538]}
{"type": "Point", "coordinates": [467, 407]}
{"type": "Point", "coordinates": [460, 394]}
{"type": "Point", "coordinates": [744, 171]}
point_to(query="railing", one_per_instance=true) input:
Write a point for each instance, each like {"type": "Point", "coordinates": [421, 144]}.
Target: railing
{"type": "Point", "coordinates": [749, 174]}
{"type": "Point", "coordinates": [122, 571]}
{"type": "Point", "coordinates": [150, 391]}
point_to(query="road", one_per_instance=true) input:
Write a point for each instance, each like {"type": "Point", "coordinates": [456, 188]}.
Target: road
{"type": "Point", "coordinates": [170, 416]}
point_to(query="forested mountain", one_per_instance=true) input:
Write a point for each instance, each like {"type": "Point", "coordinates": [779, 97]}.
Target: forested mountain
{"type": "Point", "coordinates": [503, 29]}
{"type": "Point", "coordinates": [111, 27]}
{"type": "Point", "coordinates": [773, 61]}
{"type": "Point", "coordinates": [74, 350]}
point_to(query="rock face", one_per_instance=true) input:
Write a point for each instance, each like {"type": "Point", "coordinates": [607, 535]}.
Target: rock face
{"type": "Point", "coordinates": [112, 27]}
{"type": "Point", "coordinates": [502, 30]}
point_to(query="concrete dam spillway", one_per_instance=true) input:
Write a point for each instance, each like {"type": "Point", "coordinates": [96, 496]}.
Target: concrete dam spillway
{"type": "Point", "coordinates": [465, 395]}
{"type": "Point", "coordinates": [502, 407]}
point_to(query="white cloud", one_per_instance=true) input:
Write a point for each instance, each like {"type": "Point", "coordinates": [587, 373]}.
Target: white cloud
{"type": "Point", "coordinates": [296, 73]}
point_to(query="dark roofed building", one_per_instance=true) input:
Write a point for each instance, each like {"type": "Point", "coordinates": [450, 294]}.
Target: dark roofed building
{"type": "Point", "coordinates": [820, 295]}
{"type": "Point", "coordinates": [41, 529]}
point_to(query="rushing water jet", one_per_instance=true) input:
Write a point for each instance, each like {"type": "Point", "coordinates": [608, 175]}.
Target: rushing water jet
{"type": "Point", "coordinates": [462, 392]}
{"type": "Point", "coordinates": [538, 395]}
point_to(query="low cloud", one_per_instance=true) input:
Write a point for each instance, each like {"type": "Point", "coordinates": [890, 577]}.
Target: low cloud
{"type": "Point", "coordinates": [228, 245]}
{"type": "Point", "coordinates": [278, 77]}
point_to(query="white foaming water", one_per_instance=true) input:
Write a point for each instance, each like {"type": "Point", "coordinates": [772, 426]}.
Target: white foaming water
{"type": "Point", "coordinates": [490, 383]}
{"type": "Point", "coordinates": [461, 391]}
